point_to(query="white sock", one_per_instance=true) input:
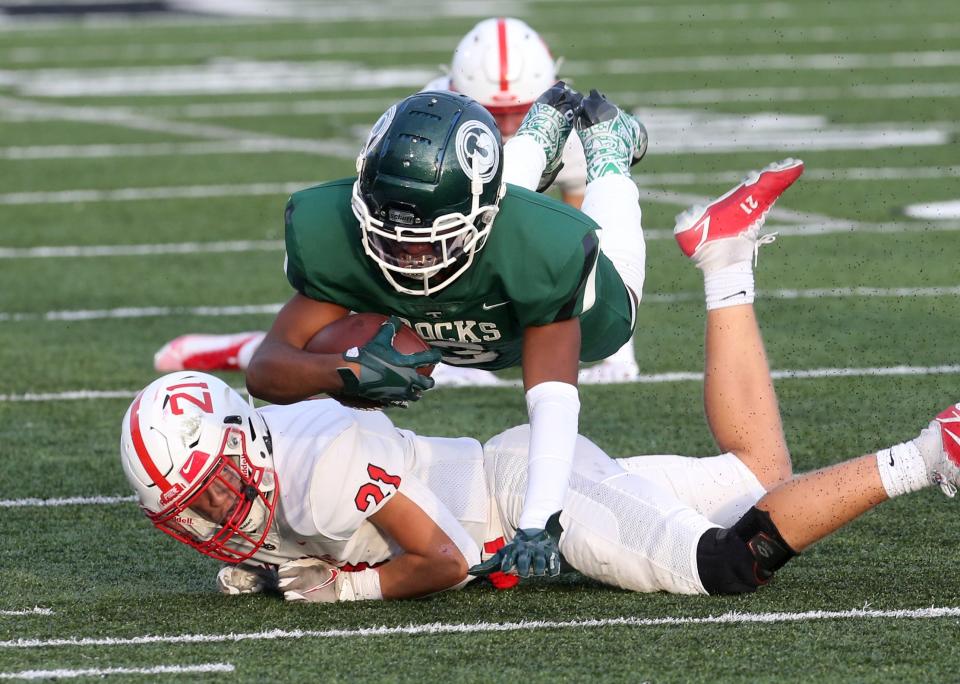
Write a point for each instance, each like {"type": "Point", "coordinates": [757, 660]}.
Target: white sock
{"type": "Point", "coordinates": [902, 469]}
{"type": "Point", "coordinates": [729, 286]}
{"type": "Point", "coordinates": [523, 162]}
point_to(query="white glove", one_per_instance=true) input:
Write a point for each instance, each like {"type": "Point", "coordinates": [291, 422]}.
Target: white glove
{"type": "Point", "coordinates": [309, 579]}
{"type": "Point", "coordinates": [246, 579]}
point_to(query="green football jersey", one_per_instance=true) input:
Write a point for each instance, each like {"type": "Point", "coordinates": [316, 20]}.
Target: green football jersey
{"type": "Point", "coordinates": [541, 264]}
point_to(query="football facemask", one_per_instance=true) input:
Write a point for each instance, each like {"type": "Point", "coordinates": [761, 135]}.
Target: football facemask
{"type": "Point", "coordinates": [428, 190]}
{"type": "Point", "coordinates": [200, 461]}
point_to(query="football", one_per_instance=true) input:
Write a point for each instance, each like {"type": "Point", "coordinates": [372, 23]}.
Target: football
{"type": "Point", "coordinates": [355, 331]}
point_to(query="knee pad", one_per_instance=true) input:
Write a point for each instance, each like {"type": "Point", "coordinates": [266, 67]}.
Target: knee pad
{"type": "Point", "coordinates": [740, 559]}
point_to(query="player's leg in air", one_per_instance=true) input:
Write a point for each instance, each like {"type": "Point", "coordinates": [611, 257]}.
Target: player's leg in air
{"type": "Point", "coordinates": [637, 523]}
{"type": "Point", "coordinates": [739, 399]}
{"type": "Point", "coordinates": [207, 352]}
{"type": "Point", "coordinates": [612, 141]}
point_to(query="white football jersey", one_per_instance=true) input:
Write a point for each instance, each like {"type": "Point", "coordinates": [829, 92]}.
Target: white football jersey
{"type": "Point", "coordinates": [336, 467]}
{"type": "Point", "coordinates": [572, 177]}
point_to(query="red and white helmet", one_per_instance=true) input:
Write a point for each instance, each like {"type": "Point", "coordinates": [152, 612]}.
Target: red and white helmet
{"type": "Point", "coordinates": [189, 439]}
{"type": "Point", "coordinates": [504, 65]}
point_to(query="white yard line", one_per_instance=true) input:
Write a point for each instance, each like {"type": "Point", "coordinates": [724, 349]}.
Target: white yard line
{"type": "Point", "coordinates": [814, 174]}
{"type": "Point", "coordinates": [762, 96]}
{"type": "Point", "coordinates": [36, 610]}
{"type": "Point", "coordinates": [270, 309]}
{"type": "Point", "coordinates": [106, 671]}
{"type": "Point", "coordinates": [240, 246]}
{"type": "Point", "coordinates": [360, 45]}
{"type": "Point", "coordinates": [438, 628]}
{"type": "Point", "coordinates": [645, 379]}
{"type": "Point", "coordinates": [768, 62]}
{"type": "Point", "coordinates": [819, 293]}
{"type": "Point", "coordinates": [143, 312]}
{"type": "Point", "coordinates": [162, 193]}
{"type": "Point", "coordinates": [341, 149]}
{"type": "Point", "coordinates": [65, 501]}
{"type": "Point", "coordinates": [140, 250]}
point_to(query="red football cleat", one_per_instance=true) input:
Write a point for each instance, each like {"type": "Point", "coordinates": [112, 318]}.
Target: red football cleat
{"type": "Point", "coordinates": [205, 352]}
{"type": "Point", "coordinates": [733, 221]}
{"type": "Point", "coordinates": [945, 470]}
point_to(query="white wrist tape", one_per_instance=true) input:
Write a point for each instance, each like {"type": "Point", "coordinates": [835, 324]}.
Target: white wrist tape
{"type": "Point", "coordinates": [554, 408]}
{"type": "Point", "coordinates": [359, 586]}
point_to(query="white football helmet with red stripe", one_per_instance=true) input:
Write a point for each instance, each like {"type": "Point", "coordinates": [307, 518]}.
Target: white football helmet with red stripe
{"type": "Point", "coordinates": [200, 460]}
{"type": "Point", "coordinates": [504, 65]}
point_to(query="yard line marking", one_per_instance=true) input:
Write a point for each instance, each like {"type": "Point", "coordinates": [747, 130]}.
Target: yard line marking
{"type": "Point", "coordinates": [36, 610]}
{"type": "Point", "coordinates": [667, 297]}
{"type": "Point", "coordinates": [435, 628]}
{"type": "Point", "coordinates": [897, 91]}
{"type": "Point", "coordinates": [645, 379]}
{"type": "Point", "coordinates": [143, 312]}
{"type": "Point", "coordinates": [105, 671]}
{"type": "Point", "coordinates": [817, 174]}
{"type": "Point", "coordinates": [73, 395]}
{"type": "Point", "coordinates": [171, 192]}
{"type": "Point", "coordinates": [819, 293]}
{"type": "Point", "coordinates": [765, 62]}
{"type": "Point", "coordinates": [67, 501]}
{"type": "Point", "coordinates": [445, 43]}
{"type": "Point", "coordinates": [341, 149]}
{"type": "Point", "coordinates": [141, 250]}
{"type": "Point", "coordinates": [241, 246]}
{"type": "Point", "coordinates": [840, 226]}
{"type": "Point", "coordinates": [252, 75]}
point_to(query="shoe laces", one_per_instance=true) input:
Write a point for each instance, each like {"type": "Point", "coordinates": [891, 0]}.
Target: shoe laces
{"type": "Point", "coordinates": [762, 240]}
{"type": "Point", "coordinates": [946, 486]}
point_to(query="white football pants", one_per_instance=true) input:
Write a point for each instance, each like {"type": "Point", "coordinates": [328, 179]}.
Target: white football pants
{"type": "Point", "coordinates": [630, 530]}
{"type": "Point", "coordinates": [612, 201]}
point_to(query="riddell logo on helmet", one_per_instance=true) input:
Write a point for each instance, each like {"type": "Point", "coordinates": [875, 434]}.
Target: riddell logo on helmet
{"type": "Point", "coordinates": [171, 494]}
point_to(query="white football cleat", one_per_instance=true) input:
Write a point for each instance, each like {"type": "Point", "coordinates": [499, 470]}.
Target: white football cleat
{"type": "Point", "coordinates": [207, 352]}
{"type": "Point", "coordinates": [728, 229]}
{"type": "Point", "coordinates": [939, 445]}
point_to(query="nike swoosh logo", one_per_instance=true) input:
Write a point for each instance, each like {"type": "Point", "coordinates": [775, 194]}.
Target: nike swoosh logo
{"type": "Point", "coordinates": [891, 459]}
{"type": "Point", "coordinates": [326, 583]}
{"type": "Point", "coordinates": [735, 294]}
{"type": "Point", "coordinates": [487, 307]}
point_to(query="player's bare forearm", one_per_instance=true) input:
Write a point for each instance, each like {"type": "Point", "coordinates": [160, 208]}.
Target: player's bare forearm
{"type": "Point", "coordinates": [431, 561]}
{"type": "Point", "coordinates": [280, 371]}
{"type": "Point", "coordinates": [551, 353]}
{"type": "Point", "coordinates": [282, 374]}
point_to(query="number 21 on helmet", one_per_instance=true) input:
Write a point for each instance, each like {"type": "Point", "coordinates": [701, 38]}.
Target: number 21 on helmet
{"type": "Point", "coordinates": [200, 461]}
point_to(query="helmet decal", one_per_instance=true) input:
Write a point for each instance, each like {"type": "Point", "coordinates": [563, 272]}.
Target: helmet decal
{"type": "Point", "coordinates": [379, 128]}
{"type": "Point", "coordinates": [200, 460]}
{"type": "Point", "coordinates": [428, 188]}
{"type": "Point", "coordinates": [478, 148]}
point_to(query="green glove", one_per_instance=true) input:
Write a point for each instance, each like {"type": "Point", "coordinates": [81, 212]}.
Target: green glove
{"type": "Point", "coordinates": [532, 551]}
{"type": "Point", "coordinates": [378, 372]}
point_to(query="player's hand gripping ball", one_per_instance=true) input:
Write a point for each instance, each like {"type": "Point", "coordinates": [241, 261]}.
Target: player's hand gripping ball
{"type": "Point", "coordinates": [385, 362]}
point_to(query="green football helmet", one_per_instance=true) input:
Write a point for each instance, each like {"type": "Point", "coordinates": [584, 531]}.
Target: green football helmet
{"type": "Point", "coordinates": [429, 182]}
